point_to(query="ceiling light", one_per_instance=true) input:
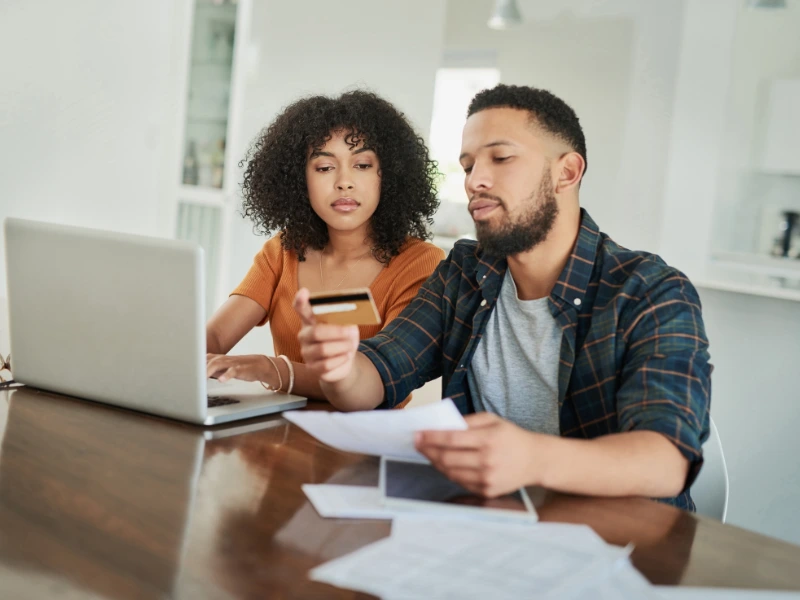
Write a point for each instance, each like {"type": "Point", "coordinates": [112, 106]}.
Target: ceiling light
{"type": "Point", "coordinates": [506, 14]}
{"type": "Point", "coordinates": [766, 3]}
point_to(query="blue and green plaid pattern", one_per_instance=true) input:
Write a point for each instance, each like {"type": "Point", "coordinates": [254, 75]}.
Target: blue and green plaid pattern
{"type": "Point", "coordinates": [634, 354]}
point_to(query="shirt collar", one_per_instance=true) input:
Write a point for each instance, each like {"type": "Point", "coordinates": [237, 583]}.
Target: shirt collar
{"type": "Point", "coordinates": [572, 284]}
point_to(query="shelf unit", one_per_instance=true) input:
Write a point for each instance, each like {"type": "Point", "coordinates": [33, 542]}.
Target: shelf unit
{"type": "Point", "coordinates": [204, 189]}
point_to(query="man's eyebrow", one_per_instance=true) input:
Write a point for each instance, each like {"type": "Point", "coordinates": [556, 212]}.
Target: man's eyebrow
{"type": "Point", "coordinates": [489, 145]}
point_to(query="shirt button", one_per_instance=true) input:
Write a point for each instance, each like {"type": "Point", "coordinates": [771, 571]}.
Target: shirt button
{"type": "Point", "coordinates": [483, 303]}
{"type": "Point", "coordinates": [577, 301]}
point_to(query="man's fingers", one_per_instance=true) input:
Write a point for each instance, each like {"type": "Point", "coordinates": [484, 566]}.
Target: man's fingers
{"type": "Point", "coordinates": [325, 366]}
{"type": "Point", "coordinates": [315, 352]}
{"type": "Point", "coordinates": [445, 460]}
{"type": "Point", "coordinates": [303, 307]}
{"type": "Point", "coordinates": [315, 334]}
{"type": "Point", "coordinates": [469, 439]}
{"type": "Point", "coordinates": [482, 419]}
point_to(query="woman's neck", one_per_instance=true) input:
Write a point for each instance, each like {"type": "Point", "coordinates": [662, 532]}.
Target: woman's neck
{"type": "Point", "coordinates": [347, 245]}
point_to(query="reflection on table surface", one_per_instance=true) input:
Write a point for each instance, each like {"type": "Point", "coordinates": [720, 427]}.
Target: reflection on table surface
{"type": "Point", "coordinates": [102, 502]}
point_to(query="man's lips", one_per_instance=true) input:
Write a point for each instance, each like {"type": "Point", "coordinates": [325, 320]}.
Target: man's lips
{"type": "Point", "coordinates": [482, 208]}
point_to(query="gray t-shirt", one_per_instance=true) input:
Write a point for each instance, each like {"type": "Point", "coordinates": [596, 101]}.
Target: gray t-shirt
{"type": "Point", "coordinates": [514, 371]}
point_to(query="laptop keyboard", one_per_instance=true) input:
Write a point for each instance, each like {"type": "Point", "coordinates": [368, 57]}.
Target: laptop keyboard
{"type": "Point", "coordinates": [220, 401]}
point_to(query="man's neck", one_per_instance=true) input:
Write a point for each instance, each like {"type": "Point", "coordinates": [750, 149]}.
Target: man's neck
{"type": "Point", "coordinates": [536, 271]}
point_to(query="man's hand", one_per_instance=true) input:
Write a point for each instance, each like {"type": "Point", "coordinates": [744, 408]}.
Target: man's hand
{"type": "Point", "coordinates": [248, 367]}
{"type": "Point", "coordinates": [491, 458]}
{"type": "Point", "coordinates": [328, 350]}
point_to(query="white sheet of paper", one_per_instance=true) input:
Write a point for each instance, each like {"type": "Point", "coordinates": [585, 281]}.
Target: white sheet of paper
{"type": "Point", "coordinates": [434, 558]}
{"type": "Point", "coordinates": [378, 432]}
{"type": "Point", "coordinates": [347, 501]}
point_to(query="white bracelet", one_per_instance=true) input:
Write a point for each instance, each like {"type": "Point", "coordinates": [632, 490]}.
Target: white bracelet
{"type": "Point", "coordinates": [291, 372]}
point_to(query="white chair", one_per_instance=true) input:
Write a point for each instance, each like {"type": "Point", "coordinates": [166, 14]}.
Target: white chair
{"type": "Point", "coordinates": [710, 489]}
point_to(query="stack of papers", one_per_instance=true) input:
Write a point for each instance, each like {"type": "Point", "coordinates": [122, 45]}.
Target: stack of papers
{"type": "Point", "coordinates": [436, 557]}
{"type": "Point", "coordinates": [443, 558]}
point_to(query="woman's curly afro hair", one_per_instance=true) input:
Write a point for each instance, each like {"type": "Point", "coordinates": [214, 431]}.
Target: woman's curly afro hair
{"type": "Point", "coordinates": [274, 187]}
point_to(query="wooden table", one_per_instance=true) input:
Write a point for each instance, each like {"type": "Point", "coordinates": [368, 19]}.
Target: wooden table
{"type": "Point", "coordinates": [98, 502]}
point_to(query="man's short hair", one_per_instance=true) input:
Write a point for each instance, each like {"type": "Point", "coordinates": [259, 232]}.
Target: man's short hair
{"type": "Point", "coordinates": [549, 111]}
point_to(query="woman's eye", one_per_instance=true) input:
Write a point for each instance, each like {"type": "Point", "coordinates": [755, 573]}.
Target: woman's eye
{"type": "Point", "coordinates": [363, 166]}
{"type": "Point", "coordinates": [467, 170]}
{"type": "Point", "coordinates": [324, 169]}
{"type": "Point", "coordinates": [501, 158]}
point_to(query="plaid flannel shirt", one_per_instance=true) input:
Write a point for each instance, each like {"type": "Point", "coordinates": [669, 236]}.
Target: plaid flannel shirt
{"type": "Point", "coordinates": [634, 354]}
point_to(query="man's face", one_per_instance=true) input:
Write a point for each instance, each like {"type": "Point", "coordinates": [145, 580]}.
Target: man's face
{"type": "Point", "coordinates": [508, 181]}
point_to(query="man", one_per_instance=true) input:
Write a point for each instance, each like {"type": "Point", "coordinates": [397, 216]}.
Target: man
{"type": "Point", "coordinates": [582, 366]}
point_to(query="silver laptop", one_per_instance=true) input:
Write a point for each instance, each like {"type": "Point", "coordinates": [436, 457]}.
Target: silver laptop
{"type": "Point", "coordinates": [119, 319]}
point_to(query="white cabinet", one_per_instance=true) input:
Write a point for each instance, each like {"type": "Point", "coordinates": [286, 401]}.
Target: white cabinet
{"type": "Point", "coordinates": [781, 152]}
{"type": "Point", "coordinates": [205, 184]}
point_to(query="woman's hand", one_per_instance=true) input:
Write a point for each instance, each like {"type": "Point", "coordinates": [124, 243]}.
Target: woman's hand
{"type": "Point", "coordinates": [248, 367]}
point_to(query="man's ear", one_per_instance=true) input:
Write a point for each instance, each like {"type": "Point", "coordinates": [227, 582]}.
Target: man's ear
{"type": "Point", "coordinates": [570, 170]}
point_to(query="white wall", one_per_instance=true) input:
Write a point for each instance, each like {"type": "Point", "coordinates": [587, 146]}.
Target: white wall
{"type": "Point", "coordinates": [754, 349]}
{"type": "Point", "coordinates": [84, 107]}
{"type": "Point", "coordinates": [615, 63]}
{"type": "Point", "coordinates": [301, 48]}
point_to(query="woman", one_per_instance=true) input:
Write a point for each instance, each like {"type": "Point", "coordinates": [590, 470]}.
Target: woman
{"type": "Point", "coordinates": [350, 186]}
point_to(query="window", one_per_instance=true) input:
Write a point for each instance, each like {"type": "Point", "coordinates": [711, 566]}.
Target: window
{"type": "Point", "coordinates": [455, 88]}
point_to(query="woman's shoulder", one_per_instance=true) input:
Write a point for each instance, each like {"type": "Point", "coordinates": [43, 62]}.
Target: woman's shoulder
{"type": "Point", "coordinates": [415, 250]}
{"type": "Point", "coordinates": [274, 251]}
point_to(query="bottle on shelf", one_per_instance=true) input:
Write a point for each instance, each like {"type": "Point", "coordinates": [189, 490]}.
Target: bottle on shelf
{"type": "Point", "coordinates": [190, 166]}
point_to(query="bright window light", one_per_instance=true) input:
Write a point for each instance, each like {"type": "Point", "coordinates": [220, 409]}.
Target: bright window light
{"type": "Point", "coordinates": [455, 88]}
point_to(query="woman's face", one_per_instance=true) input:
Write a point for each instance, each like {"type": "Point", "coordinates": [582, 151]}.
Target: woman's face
{"type": "Point", "coordinates": [344, 183]}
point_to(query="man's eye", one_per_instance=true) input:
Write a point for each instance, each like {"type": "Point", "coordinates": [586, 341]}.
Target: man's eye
{"type": "Point", "coordinates": [467, 170]}
{"type": "Point", "coordinates": [501, 158]}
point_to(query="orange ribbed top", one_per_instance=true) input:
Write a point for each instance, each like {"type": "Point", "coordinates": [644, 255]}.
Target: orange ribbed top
{"type": "Point", "coordinates": [272, 282]}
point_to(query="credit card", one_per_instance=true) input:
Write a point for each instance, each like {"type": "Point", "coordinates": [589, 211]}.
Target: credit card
{"type": "Point", "coordinates": [345, 307]}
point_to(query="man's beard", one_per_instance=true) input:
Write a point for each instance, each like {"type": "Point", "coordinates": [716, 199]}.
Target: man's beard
{"type": "Point", "coordinates": [526, 231]}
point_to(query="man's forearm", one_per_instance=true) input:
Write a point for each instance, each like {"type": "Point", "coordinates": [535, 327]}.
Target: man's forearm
{"type": "Point", "coordinates": [362, 389]}
{"type": "Point", "coordinates": [635, 463]}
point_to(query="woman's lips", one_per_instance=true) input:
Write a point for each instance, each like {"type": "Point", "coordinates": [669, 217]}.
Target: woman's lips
{"type": "Point", "coordinates": [345, 205]}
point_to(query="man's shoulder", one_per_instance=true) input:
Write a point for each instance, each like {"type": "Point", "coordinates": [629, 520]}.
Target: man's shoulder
{"type": "Point", "coordinates": [465, 247]}
{"type": "Point", "coordinates": [638, 272]}
{"type": "Point", "coordinates": [464, 256]}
